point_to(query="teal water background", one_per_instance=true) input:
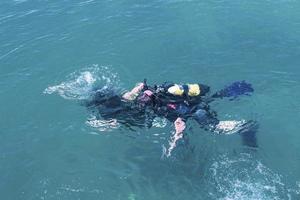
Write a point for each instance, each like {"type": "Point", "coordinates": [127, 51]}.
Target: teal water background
{"type": "Point", "coordinates": [48, 151]}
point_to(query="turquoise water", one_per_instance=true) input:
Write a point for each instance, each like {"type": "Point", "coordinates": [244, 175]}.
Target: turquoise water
{"type": "Point", "coordinates": [53, 52]}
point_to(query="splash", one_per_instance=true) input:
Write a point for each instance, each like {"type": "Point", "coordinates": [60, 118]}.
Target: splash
{"type": "Point", "coordinates": [48, 189]}
{"type": "Point", "coordinates": [80, 84]}
{"type": "Point", "coordinates": [254, 181]}
{"type": "Point", "coordinates": [229, 127]}
{"type": "Point", "coordinates": [102, 125]}
{"type": "Point", "coordinates": [167, 152]}
{"type": "Point", "coordinates": [159, 122]}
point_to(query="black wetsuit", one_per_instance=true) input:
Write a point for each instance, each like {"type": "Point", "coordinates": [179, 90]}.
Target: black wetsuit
{"type": "Point", "coordinates": [109, 105]}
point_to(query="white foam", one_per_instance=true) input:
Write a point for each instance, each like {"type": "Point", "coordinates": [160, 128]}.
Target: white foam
{"type": "Point", "coordinates": [79, 84]}
{"type": "Point", "coordinates": [229, 127]}
{"type": "Point", "coordinates": [167, 152]}
{"type": "Point", "coordinates": [20, 1]}
{"type": "Point", "coordinates": [159, 122]}
{"type": "Point", "coordinates": [298, 187]}
{"type": "Point", "coordinates": [102, 125]}
{"type": "Point", "coordinates": [246, 178]}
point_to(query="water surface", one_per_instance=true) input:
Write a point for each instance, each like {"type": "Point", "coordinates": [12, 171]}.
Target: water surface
{"type": "Point", "coordinates": [48, 151]}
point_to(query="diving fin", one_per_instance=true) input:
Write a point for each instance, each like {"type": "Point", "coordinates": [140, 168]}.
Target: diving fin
{"type": "Point", "coordinates": [248, 134]}
{"type": "Point", "coordinates": [235, 90]}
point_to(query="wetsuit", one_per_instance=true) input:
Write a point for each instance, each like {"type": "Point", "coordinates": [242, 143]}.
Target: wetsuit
{"type": "Point", "coordinates": [108, 105]}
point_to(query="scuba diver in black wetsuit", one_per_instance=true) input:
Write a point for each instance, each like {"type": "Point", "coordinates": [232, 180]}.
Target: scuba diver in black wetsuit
{"type": "Point", "coordinates": [175, 102]}
{"type": "Point", "coordinates": [145, 102]}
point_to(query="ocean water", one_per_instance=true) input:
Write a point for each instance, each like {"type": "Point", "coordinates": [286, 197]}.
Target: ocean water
{"type": "Point", "coordinates": [53, 52]}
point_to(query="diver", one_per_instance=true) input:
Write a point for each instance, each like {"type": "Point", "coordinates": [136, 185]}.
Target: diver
{"type": "Point", "coordinates": [175, 102]}
{"type": "Point", "coordinates": [143, 103]}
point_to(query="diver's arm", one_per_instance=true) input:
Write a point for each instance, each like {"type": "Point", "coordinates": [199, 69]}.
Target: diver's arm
{"type": "Point", "coordinates": [131, 95]}
{"type": "Point", "coordinates": [179, 128]}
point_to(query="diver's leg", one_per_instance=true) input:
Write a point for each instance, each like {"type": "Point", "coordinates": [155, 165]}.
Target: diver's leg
{"type": "Point", "coordinates": [246, 129]}
{"type": "Point", "coordinates": [205, 119]}
{"type": "Point", "coordinates": [209, 121]}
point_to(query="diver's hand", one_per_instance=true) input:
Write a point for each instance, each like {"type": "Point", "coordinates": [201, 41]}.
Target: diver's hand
{"type": "Point", "coordinates": [130, 96]}
{"type": "Point", "coordinates": [179, 126]}
{"type": "Point", "coordinates": [138, 88]}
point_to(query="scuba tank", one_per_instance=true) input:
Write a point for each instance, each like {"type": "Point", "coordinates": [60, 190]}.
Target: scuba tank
{"type": "Point", "coordinates": [176, 93]}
